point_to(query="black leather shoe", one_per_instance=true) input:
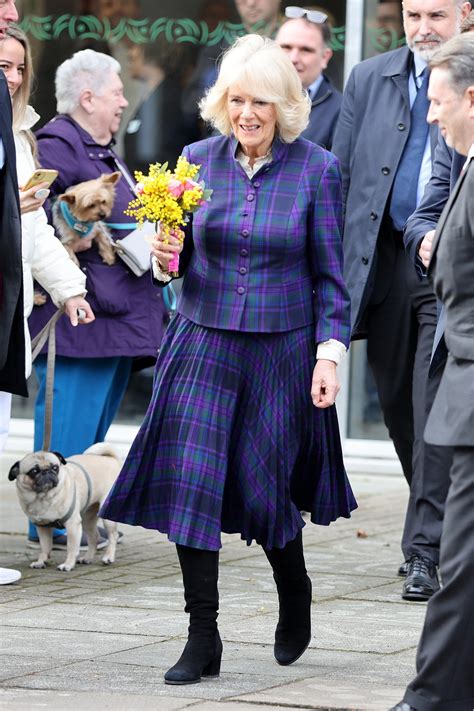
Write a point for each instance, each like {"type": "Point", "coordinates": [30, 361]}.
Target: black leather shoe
{"type": "Point", "coordinates": [403, 570]}
{"type": "Point", "coordinates": [402, 706]}
{"type": "Point", "coordinates": [422, 579]}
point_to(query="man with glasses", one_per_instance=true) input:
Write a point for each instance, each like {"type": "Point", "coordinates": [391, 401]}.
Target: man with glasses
{"type": "Point", "coordinates": [385, 148]}
{"type": "Point", "coordinates": [305, 37]}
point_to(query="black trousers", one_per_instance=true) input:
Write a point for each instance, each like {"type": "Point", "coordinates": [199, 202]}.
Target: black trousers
{"type": "Point", "coordinates": [428, 491]}
{"type": "Point", "coordinates": [401, 323]}
{"type": "Point", "coordinates": [445, 659]}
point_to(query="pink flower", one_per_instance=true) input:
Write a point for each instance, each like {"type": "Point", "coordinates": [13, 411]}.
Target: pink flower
{"type": "Point", "coordinates": [139, 189]}
{"type": "Point", "coordinates": [176, 188]}
{"type": "Point", "coordinates": [190, 184]}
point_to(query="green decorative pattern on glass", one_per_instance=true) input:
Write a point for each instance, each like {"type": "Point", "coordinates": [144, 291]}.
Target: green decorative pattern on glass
{"type": "Point", "coordinates": [338, 38]}
{"type": "Point", "coordinates": [383, 40]}
{"type": "Point", "coordinates": [51, 27]}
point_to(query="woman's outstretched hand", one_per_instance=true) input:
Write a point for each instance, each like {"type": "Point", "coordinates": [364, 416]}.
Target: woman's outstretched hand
{"type": "Point", "coordinates": [325, 385]}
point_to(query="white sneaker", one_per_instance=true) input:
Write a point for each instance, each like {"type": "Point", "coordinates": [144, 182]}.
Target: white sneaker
{"type": "Point", "coordinates": [8, 575]}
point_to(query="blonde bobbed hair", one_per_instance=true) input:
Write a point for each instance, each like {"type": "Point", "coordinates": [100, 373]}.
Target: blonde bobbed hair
{"type": "Point", "coordinates": [262, 69]}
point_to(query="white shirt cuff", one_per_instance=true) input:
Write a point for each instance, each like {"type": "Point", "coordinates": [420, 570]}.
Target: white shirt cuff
{"type": "Point", "coordinates": [331, 350]}
{"type": "Point", "coordinates": [158, 273]}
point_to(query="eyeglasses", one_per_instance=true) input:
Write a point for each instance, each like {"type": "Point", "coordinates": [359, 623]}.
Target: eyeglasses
{"type": "Point", "coordinates": [295, 13]}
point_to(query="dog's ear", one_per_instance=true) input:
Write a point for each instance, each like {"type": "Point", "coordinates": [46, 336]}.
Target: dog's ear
{"type": "Point", "coordinates": [60, 457]}
{"type": "Point", "coordinates": [68, 197]}
{"type": "Point", "coordinates": [14, 471]}
{"type": "Point", "coordinates": [111, 177]}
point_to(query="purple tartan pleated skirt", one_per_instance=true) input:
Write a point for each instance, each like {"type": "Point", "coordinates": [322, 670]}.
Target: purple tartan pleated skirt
{"type": "Point", "coordinates": [232, 442]}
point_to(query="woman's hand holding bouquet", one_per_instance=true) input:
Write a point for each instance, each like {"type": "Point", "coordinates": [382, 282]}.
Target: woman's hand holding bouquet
{"type": "Point", "coordinates": [168, 199]}
{"type": "Point", "coordinates": [166, 248]}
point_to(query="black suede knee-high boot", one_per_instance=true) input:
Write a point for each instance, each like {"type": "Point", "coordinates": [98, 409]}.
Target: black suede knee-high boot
{"type": "Point", "coordinates": [293, 631]}
{"type": "Point", "coordinates": [202, 654]}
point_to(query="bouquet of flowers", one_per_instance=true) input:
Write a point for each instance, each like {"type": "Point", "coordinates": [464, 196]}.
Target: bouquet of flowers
{"type": "Point", "coordinates": [168, 198]}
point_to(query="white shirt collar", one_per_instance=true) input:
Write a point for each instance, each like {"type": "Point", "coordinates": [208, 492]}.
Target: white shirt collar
{"type": "Point", "coordinates": [313, 88]}
{"type": "Point", "coordinates": [245, 162]}
{"type": "Point", "coordinates": [420, 64]}
{"type": "Point", "coordinates": [470, 156]}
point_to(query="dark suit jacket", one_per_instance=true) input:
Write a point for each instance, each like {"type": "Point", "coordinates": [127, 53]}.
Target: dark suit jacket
{"type": "Point", "coordinates": [325, 109]}
{"type": "Point", "coordinates": [371, 134]}
{"type": "Point", "coordinates": [12, 337]}
{"type": "Point", "coordinates": [447, 166]}
{"type": "Point", "coordinates": [451, 268]}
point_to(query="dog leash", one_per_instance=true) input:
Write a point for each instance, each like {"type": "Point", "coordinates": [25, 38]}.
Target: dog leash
{"type": "Point", "coordinates": [47, 333]}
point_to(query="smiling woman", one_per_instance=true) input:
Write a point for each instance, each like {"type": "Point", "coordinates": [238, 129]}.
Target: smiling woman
{"type": "Point", "coordinates": [253, 122]}
{"type": "Point", "coordinates": [272, 87]}
{"type": "Point", "coordinates": [241, 434]}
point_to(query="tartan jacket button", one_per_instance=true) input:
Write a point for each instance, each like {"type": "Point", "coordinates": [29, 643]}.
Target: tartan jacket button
{"type": "Point", "coordinates": [241, 290]}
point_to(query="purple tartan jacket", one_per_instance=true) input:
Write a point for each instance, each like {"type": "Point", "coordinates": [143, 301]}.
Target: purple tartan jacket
{"type": "Point", "coordinates": [265, 254]}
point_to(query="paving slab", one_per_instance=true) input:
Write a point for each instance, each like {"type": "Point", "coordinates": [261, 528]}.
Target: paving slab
{"type": "Point", "coordinates": [26, 700]}
{"type": "Point", "coordinates": [324, 696]}
{"type": "Point", "coordinates": [50, 648]}
{"type": "Point", "coordinates": [353, 625]}
{"type": "Point", "coordinates": [105, 676]}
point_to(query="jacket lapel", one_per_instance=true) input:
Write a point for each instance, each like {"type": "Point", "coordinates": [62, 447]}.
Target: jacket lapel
{"type": "Point", "coordinates": [6, 127]}
{"type": "Point", "coordinates": [434, 138]}
{"type": "Point", "coordinates": [398, 69]}
{"type": "Point", "coordinates": [445, 213]}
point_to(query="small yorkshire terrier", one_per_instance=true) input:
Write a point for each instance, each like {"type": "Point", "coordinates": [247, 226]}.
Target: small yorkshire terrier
{"type": "Point", "coordinates": [78, 214]}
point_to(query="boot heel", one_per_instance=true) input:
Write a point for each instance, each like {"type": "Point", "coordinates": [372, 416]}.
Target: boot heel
{"type": "Point", "coordinates": [213, 669]}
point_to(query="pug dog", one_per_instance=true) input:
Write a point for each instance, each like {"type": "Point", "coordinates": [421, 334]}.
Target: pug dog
{"type": "Point", "coordinates": [55, 492]}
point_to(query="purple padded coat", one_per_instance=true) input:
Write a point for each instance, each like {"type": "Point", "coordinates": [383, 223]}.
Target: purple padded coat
{"type": "Point", "coordinates": [130, 314]}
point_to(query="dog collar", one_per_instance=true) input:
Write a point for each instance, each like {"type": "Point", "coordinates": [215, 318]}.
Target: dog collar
{"type": "Point", "coordinates": [121, 225]}
{"type": "Point", "coordinates": [82, 228]}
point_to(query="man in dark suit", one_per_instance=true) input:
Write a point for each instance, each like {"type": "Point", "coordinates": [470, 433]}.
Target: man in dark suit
{"type": "Point", "coordinates": [385, 149]}
{"type": "Point", "coordinates": [12, 350]}
{"type": "Point", "coordinates": [306, 40]}
{"type": "Point", "coordinates": [445, 678]}
{"type": "Point", "coordinates": [12, 334]}
{"type": "Point", "coordinates": [424, 517]}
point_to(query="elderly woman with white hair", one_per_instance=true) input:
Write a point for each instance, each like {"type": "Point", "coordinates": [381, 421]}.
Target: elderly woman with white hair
{"type": "Point", "coordinates": [241, 434]}
{"type": "Point", "coordinates": [93, 367]}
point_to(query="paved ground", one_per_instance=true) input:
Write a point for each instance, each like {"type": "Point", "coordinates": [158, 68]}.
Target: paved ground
{"type": "Point", "coordinates": [101, 637]}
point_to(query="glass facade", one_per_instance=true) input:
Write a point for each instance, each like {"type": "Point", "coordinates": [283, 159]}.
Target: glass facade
{"type": "Point", "coordinates": [167, 51]}
{"type": "Point", "coordinates": [383, 27]}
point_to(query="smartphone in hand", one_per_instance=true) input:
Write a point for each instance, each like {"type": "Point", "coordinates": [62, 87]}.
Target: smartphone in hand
{"type": "Point", "coordinates": [42, 175]}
